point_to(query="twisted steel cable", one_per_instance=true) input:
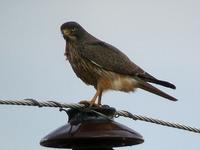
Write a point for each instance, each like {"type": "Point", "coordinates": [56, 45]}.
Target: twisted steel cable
{"type": "Point", "coordinates": [157, 121]}
{"type": "Point", "coordinates": [33, 102]}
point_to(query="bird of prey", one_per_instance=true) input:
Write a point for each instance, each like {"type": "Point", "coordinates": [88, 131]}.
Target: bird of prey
{"type": "Point", "coordinates": [105, 67]}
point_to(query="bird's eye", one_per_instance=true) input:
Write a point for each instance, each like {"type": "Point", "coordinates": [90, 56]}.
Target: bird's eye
{"type": "Point", "coordinates": [73, 29]}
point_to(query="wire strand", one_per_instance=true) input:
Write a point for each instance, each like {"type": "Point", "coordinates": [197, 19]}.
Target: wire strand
{"type": "Point", "coordinates": [33, 102]}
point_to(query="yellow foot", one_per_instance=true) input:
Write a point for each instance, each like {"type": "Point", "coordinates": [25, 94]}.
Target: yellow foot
{"type": "Point", "coordinates": [89, 103]}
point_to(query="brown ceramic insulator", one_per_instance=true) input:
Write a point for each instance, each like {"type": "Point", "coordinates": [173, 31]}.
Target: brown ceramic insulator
{"type": "Point", "coordinates": [88, 130]}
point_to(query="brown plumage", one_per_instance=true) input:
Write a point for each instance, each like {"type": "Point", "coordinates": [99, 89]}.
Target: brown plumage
{"type": "Point", "coordinates": [104, 66]}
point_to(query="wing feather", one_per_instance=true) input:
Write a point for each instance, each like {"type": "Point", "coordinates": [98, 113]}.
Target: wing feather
{"type": "Point", "coordinates": [110, 58]}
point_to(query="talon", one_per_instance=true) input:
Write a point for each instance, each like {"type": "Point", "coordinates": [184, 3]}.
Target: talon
{"type": "Point", "coordinates": [92, 103]}
{"type": "Point", "coordinates": [89, 103]}
{"type": "Point", "coordinates": [84, 102]}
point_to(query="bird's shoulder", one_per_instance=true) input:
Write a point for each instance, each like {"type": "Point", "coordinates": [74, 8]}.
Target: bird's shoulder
{"type": "Point", "coordinates": [103, 49]}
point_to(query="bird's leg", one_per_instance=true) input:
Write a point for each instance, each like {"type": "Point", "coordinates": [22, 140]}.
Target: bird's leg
{"type": "Point", "coordinates": [99, 95]}
{"type": "Point", "coordinates": [92, 102]}
{"type": "Point", "coordinates": [99, 98]}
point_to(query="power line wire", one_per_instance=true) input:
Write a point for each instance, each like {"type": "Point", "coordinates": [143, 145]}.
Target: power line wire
{"type": "Point", "coordinates": [33, 102]}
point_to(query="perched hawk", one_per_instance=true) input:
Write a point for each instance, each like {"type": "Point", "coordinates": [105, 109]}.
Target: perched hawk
{"type": "Point", "coordinates": [104, 66]}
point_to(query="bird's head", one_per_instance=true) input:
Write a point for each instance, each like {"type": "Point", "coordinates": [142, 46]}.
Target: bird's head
{"type": "Point", "coordinates": [72, 31]}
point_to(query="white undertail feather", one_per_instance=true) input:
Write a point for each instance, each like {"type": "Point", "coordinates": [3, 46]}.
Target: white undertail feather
{"type": "Point", "coordinates": [124, 83]}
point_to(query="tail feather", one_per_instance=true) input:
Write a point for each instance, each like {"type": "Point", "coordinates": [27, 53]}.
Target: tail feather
{"type": "Point", "coordinates": [163, 83]}
{"type": "Point", "coordinates": [151, 79]}
{"type": "Point", "coordinates": [148, 87]}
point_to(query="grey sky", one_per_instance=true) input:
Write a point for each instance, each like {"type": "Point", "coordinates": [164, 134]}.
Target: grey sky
{"type": "Point", "coordinates": [160, 36]}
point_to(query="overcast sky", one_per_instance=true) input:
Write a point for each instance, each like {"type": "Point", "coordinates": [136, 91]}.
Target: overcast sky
{"type": "Point", "coordinates": [160, 36]}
